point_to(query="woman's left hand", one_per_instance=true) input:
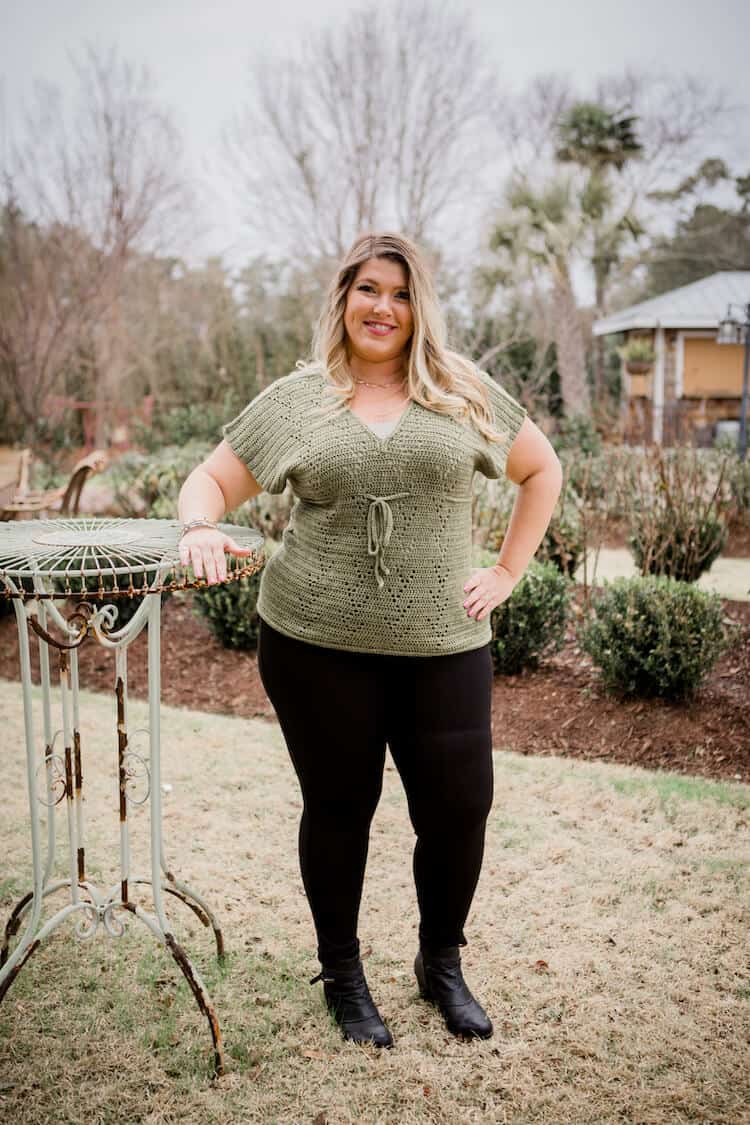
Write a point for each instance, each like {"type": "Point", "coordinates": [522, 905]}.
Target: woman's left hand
{"type": "Point", "coordinates": [487, 588]}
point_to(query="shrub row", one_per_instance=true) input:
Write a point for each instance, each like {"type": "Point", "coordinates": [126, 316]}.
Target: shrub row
{"type": "Point", "coordinates": [651, 636]}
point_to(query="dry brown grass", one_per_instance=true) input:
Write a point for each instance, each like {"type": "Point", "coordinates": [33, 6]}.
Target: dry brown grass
{"type": "Point", "coordinates": [608, 941]}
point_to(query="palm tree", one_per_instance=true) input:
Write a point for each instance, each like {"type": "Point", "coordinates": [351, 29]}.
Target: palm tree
{"type": "Point", "coordinates": [599, 140]}
{"type": "Point", "coordinates": [540, 232]}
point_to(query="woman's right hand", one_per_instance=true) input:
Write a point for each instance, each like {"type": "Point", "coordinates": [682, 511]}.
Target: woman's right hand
{"type": "Point", "coordinates": [205, 549]}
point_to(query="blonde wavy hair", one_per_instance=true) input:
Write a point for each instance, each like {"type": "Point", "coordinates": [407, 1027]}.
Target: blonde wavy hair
{"type": "Point", "coordinates": [438, 378]}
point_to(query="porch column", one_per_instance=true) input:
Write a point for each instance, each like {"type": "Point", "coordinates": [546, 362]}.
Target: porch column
{"type": "Point", "coordinates": [657, 403]}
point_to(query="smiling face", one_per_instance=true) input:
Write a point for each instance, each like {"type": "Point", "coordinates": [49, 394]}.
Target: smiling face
{"type": "Point", "coordinates": [378, 317]}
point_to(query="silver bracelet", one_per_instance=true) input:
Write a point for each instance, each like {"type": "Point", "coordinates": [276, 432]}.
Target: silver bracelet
{"type": "Point", "coordinates": [199, 521]}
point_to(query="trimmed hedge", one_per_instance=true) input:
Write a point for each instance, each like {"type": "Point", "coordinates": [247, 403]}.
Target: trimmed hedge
{"type": "Point", "coordinates": [531, 623]}
{"type": "Point", "coordinates": [231, 608]}
{"type": "Point", "coordinates": [654, 636]}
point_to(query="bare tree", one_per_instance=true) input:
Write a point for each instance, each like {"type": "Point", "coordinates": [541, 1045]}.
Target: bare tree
{"type": "Point", "coordinates": [80, 191]}
{"type": "Point", "coordinates": [382, 121]}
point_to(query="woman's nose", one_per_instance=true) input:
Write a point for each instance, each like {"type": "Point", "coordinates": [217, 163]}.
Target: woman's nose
{"type": "Point", "coordinates": [382, 303]}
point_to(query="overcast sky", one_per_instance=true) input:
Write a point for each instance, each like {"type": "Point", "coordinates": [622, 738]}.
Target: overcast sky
{"type": "Point", "coordinates": [198, 52]}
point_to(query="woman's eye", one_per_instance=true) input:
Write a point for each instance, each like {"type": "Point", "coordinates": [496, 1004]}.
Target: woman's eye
{"type": "Point", "coordinates": [403, 296]}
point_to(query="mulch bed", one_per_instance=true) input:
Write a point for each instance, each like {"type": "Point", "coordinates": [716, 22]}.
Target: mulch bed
{"type": "Point", "coordinates": [559, 709]}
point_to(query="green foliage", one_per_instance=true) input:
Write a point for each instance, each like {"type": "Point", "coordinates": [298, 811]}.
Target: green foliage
{"type": "Point", "coordinates": [638, 350]}
{"type": "Point", "coordinates": [186, 424]}
{"type": "Point", "coordinates": [654, 636]}
{"type": "Point", "coordinates": [149, 484]}
{"type": "Point", "coordinates": [230, 608]}
{"type": "Point", "coordinates": [531, 623]}
{"type": "Point", "coordinates": [577, 434]}
{"type": "Point", "coordinates": [593, 136]}
{"type": "Point", "coordinates": [126, 605]}
{"type": "Point", "coordinates": [710, 239]}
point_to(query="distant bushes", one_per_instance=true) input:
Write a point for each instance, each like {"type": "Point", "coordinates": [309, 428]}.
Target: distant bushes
{"type": "Point", "coordinates": [184, 424]}
{"type": "Point", "coordinates": [148, 485]}
{"type": "Point", "coordinates": [739, 483]}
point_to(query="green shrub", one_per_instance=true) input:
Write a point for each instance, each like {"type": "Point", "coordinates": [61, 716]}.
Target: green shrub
{"type": "Point", "coordinates": [186, 424]}
{"type": "Point", "coordinates": [532, 621]}
{"type": "Point", "coordinates": [577, 434]}
{"type": "Point", "coordinates": [230, 611]}
{"type": "Point", "coordinates": [148, 484]}
{"type": "Point", "coordinates": [638, 350]}
{"type": "Point", "coordinates": [126, 605]}
{"type": "Point", "coordinates": [230, 608]}
{"type": "Point", "coordinates": [654, 636]}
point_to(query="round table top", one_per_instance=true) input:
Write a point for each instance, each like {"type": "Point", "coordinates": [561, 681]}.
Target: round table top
{"type": "Point", "coordinates": [58, 557]}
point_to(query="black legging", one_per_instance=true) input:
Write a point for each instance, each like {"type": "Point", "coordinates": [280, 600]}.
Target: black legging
{"type": "Point", "coordinates": [337, 710]}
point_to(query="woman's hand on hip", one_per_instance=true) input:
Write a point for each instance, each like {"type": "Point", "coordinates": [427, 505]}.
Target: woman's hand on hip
{"type": "Point", "coordinates": [205, 549]}
{"type": "Point", "coordinates": [487, 588]}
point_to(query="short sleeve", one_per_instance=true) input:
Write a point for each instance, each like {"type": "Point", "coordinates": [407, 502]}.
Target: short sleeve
{"type": "Point", "coordinates": [509, 415]}
{"type": "Point", "coordinates": [265, 436]}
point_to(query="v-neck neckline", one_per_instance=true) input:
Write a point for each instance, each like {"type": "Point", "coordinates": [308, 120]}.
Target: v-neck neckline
{"type": "Point", "coordinates": [383, 440]}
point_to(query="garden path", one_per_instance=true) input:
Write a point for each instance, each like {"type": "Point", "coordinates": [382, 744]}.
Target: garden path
{"type": "Point", "coordinates": [729, 577]}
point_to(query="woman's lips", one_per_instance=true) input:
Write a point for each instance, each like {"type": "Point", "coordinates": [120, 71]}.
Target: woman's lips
{"type": "Point", "coordinates": [379, 329]}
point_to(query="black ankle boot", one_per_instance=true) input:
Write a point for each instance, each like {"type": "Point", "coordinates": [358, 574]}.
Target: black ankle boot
{"type": "Point", "coordinates": [441, 982]}
{"type": "Point", "coordinates": [348, 998]}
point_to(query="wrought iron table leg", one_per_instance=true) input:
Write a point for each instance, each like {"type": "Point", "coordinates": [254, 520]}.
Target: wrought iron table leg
{"type": "Point", "coordinates": [67, 773]}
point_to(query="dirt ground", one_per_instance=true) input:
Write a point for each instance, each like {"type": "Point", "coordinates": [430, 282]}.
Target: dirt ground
{"type": "Point", "coordinates": [560, 709]}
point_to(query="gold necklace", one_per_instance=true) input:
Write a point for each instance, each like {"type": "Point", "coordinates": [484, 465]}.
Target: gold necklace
{"type": "Point", "coordinates": [396, 384]}
{"type": "Point", "coordinates": [380, 416]}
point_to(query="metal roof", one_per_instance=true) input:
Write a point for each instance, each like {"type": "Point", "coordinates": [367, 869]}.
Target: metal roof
{"type": "Point", "coordinates": [701, 304]}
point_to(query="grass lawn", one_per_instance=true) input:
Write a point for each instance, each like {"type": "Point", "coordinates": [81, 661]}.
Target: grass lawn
{"type": "Point", "coordinates": [608, 941]}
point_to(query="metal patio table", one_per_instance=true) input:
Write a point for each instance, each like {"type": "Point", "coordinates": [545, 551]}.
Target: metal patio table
{"type": "Point", "coordinates": [97, 563]}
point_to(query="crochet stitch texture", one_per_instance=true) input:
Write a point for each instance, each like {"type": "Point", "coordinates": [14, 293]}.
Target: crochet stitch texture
{"type": "Point", "coordinates": [378, 545]}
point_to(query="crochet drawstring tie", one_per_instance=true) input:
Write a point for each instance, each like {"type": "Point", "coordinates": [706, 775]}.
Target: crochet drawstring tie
{"type": "Point", "coordinates": [379, 530]}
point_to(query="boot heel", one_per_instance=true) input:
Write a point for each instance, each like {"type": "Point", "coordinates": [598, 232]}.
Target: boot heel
{"type": "Point", "coordinates": [348, 999]}
{"type": "Point", "coordinates": [424, 988]}
{"type": "Point", "coordinates": [441, 982]}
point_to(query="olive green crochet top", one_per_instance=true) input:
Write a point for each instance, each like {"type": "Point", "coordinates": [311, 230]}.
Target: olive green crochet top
{"type": "Point", "coordinates": [378, 545]}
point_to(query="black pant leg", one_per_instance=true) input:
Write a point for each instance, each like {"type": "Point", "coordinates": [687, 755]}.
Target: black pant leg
{"type": "Point", "coordinates": [439, 734]}
{"type": "Point", "coordinates": [328, 703]}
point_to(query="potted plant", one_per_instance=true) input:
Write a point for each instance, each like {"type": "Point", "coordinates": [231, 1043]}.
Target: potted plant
{"type": "Point", "coordinates": [638, 356]}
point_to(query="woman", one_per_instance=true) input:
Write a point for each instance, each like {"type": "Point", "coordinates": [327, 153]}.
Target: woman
{"type": "Point", "coordinates": [374, 627]}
